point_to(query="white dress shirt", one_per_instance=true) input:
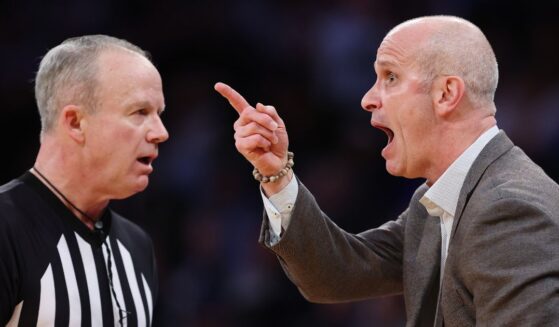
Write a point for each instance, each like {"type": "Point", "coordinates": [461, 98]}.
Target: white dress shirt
{"type": "Point", "coordinates": [278, 208]}
{"type": "Point", "coordinates": [440, 200]}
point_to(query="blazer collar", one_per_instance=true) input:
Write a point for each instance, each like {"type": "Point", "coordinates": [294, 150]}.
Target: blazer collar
{"type": "Point", "coordinates": [492, 151]}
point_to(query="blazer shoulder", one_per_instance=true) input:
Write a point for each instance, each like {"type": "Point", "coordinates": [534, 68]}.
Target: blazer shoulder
{"type": "Point", "coordinates": [515, 175]}
{"type": "Point", "coordinates": [515, 178]}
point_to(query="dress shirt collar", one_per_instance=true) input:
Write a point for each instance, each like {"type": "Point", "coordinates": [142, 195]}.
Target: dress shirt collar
{"type": "Point", "coordinates": [443, 195]}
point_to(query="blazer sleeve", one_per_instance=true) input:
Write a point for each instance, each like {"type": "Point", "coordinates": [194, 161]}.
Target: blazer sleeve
{"type": "Point", "coordinates": [514, 275]}
{"type": "Point", "coordinates": [328, 264]}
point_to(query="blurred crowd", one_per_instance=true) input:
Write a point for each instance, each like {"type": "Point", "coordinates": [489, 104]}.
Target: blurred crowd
{"type": "Point", "coordinates": [312, 60]}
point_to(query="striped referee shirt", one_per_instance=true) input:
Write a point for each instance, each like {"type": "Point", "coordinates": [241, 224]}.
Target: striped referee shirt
{"type": "Point", "coordinates": [54, 271]}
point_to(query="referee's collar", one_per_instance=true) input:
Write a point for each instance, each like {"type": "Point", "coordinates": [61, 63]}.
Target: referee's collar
{"type": "Point", "coordinates": [66, 215]}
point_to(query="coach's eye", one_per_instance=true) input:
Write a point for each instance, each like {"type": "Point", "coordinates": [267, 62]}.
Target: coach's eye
{"type": "Point", "coordinates": [391, 77]}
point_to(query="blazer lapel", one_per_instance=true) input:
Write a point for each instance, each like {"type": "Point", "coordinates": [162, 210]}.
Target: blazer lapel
{"type": "Point", "coordinates": [423, 274]}
{"type": "Point", "coordinates": [492, 151]}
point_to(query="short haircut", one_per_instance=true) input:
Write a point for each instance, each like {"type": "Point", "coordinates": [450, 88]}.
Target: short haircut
{"type": "Point", "coordinates": [67, 74]}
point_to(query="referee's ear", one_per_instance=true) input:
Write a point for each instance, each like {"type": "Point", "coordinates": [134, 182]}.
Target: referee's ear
{"type": "Point", "coordinates": [72, 122]}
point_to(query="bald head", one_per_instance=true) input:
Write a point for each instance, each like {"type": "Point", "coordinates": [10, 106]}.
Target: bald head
{"type": "Point", "coordinates": [448, 45]}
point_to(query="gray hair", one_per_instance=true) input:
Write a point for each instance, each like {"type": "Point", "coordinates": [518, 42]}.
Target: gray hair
{"type": "Point", "coordinates": [67, 74]}
{"type": "Point", "coordinates": [458, 47]}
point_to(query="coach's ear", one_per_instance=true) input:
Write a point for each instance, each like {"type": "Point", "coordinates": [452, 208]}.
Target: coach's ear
{"type": "Point", "coordinates": [447, 92]}
{"type": "Point", "coordinates": [71, 122]}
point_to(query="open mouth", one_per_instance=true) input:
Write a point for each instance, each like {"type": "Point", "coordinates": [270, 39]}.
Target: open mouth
{"type": "Point", "coordinates": [389, 133]}
{"type": "Point", "coordinates": [145, 160]}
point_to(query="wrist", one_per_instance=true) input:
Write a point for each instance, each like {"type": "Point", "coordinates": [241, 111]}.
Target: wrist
{"type": "Point", "coordinates": [270, 189]}
{"type": "Point", "coordinates": [279, 175]}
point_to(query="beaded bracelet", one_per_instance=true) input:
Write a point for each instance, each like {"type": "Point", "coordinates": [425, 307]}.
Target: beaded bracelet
{"type": "Point", "coordinates": [272, 179]}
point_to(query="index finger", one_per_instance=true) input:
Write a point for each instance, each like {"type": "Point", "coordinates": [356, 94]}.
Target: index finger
{"type": "Point", "coordinates": [235, 99]}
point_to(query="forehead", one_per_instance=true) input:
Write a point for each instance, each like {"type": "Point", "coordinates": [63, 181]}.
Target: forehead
{"type": "Point", "coordinates": [127, 76]}
{"type": "Point", "coordinates": [400, 45]}
{"type": "Point", "coordinates": [123, 64]}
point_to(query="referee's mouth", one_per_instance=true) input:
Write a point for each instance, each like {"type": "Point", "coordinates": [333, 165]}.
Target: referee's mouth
{"type": "Point", "coordinates": [147, 159]}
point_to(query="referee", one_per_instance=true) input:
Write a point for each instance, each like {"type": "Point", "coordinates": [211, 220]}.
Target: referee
{"type": "Point", "coordinates": [66, 259]}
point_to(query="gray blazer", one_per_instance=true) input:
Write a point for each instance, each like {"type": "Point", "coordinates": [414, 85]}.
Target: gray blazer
{"type": "Point", "coordinates": [502, 267]}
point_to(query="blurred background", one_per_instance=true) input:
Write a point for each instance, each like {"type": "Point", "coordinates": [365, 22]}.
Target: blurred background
{"type": "Point", "coordinates": [313, 61]}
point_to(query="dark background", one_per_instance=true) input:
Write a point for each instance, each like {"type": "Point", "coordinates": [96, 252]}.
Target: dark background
{"type": "Point", "coordinates": [313, 61]}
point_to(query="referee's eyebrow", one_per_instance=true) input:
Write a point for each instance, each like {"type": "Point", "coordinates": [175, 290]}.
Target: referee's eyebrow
{"type": "Point", "coordinates": [147, 105]}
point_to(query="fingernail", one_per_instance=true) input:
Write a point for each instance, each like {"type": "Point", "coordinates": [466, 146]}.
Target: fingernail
{"type": "Point", "coordinates": [274, 125]}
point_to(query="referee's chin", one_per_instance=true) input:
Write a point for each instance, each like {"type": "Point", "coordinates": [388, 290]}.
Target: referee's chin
{"type": "Point", "coordinates": [137, 186]}
{"type": "Point", "coordinates": [141, 185]}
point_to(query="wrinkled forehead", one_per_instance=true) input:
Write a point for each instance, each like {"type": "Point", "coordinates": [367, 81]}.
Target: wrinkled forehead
{"type": "Point", "coordinates": [401, 43]}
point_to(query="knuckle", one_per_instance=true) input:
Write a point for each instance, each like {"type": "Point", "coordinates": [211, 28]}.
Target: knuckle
{"type": "Point", "coordinates": [251, 126]}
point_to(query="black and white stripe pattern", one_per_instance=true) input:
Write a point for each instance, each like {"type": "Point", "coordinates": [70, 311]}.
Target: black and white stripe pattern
{"type": "Point", "coordinates": [74, 289]}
